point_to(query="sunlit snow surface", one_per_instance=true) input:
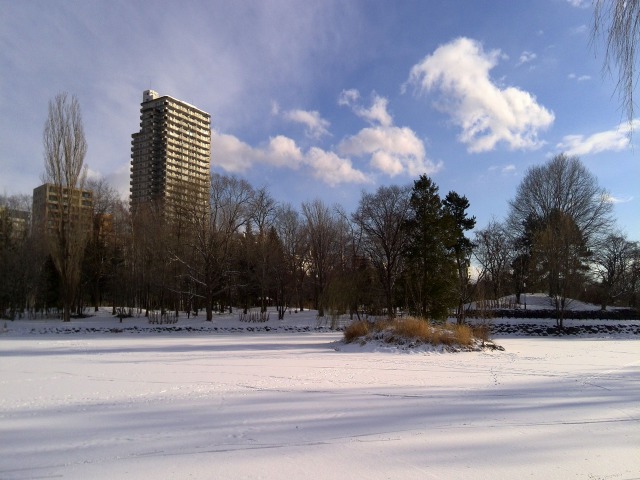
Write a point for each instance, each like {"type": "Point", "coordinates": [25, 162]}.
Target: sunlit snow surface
{"type": "Point", "coordinates": [293, 404]}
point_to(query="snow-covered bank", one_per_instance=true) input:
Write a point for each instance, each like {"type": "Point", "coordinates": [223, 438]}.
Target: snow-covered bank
{"type": "Point", "coordinates": [548, 328]}
{"type": "Point", "coordinates": [288, 405]}
{"type": "Point", "coordinates": [103, 322]}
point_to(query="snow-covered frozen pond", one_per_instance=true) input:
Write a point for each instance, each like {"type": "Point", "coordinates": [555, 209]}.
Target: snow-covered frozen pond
{"type": "Point", "coordinates": [289, 406]}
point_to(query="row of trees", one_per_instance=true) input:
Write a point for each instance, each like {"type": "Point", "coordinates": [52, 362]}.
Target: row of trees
{"type": "Point", "coordinates": [404, 247]}
{"type": "Point", "coordinates": [559, 238]}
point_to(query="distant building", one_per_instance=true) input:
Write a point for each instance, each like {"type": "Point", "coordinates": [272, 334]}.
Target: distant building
{"type": "Point", "coordinates": [50, 202]}
{"type": "Point", "coordinates": [170, 155]}
{"type": "Point", "coordinates": [14, 223]}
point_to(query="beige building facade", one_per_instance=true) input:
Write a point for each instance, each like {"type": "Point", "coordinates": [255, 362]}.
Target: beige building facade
{"type": "Point", "coordinates": [53, 204]}
{"type": "Point", "coordinates": [170, 155]}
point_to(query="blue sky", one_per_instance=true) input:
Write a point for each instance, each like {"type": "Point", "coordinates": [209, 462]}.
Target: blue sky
{"type": "Point", "coordinates": [324, 99]}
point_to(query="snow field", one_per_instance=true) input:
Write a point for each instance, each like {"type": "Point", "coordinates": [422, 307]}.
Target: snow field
{"type": "Point", "coordinates": [288, 405]}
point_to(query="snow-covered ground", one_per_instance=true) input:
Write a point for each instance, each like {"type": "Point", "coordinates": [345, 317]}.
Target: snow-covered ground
{"type": "Point", "coordinates": [287, 402]}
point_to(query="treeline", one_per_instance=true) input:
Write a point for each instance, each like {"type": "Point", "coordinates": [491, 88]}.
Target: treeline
{"type": "Point", "coordinates": [560, 238]}
{"type": "Point", "coordinates": [404, 249]}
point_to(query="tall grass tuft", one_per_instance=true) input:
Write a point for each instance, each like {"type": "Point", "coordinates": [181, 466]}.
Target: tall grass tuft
{"type": "Point", "coordinates": [412, 328]}
{"type": "Point", "coordinates": [356, 330]}
{"type": "Point", "coordinates": [415, 330]}
{"type": "Point", "coordinates": [463, 335]}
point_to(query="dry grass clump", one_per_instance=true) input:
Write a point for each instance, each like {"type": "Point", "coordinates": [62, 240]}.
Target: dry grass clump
{"type": "Point", "coordinates": [481, 331]}
{"type": "Point", "coordinates": [356, 330]}
{"type": "Point", "coordinates": [412, 328]}
{"type": "Point", "coordinates": [463, 335]}
{"type": "Point", "coordinates": [414, 331]}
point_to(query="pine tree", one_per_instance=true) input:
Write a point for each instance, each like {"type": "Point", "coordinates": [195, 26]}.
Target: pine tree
{"type": "Point", "coordinates": [455, 208]}
{"type": "Point", "coordinates": [431, 271]}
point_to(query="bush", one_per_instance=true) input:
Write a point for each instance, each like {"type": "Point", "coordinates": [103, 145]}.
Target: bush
{"type": "Point", "coordinates": [412, 328]}
{"type": "Point", "coordinates": [356, 330]}
{"type": "Point", "coordinates": [481, 331]}
{"type": "Point", "coordinates": [463, 335]}
{"type": "Point", "coordinates": [415, 330]}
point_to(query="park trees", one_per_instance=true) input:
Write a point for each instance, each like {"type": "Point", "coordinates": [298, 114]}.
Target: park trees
{"type": "Point", "coordinates": [382, 216]}
{"type": "Point", "coordinates": [266, 248]}
{"type": "Point", "coordinates": [458, 222]}
{"type": "Point", "coordinates": [65, 148]}
{"type": "Point", "coordinates": [560, 255]}
{"type": "Point", "coordinates": [322, 229]}
{"type": "Point", "coordinates": [613, 266]}
{"type": "Point", "coordinates": [294, 242]}
{"type": "Point", "coordinates": [101, 248]}
{"type": "Point", "coordinates": [18, 264]}
{"type": "Point", "coordinates": [431, 273]}
{"type": "Point", "coordinates": [558, 215]}
{"type": "Point", "coordinates": [214, 237]}
{"type": "Point", "coordinates": [563, 184]}
{"type": "Point", "coordinates": [493, 252]}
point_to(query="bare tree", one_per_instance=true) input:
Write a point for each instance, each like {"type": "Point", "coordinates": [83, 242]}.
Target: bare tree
{"type": "Point", "coordinates": [65, 148]}
{"type": "Point", "coordinates": [613, 260]}
{"type": "Point", "coordinates": [382, 216]}
{"type": "Point", "coordinates": [214, 232]}
{"type": "Point", "coordinates": [560, 254]}
{"type": "Point", "coordinates": [17, 258]}
{"type": "Point", "coordinates": [150, 261]}
{"type": "Point", "coordinates": [618, 23]}
{"type": "Point", "coordinates": [562, 185]}
{"type": "Point", "coordinates": [493, 252]}
{"type": "Point", "coordinates": [101, 246]}
{"type": "Point", "coordinates": [263, 212]}
{"type": "Point", "coordinates": [321, 228]}
{"type": "Point", "coordinates": [559, 213]}
{"type": "Point", "coordinates": [345, 290]}
{"type": "Point", "coordinates": [291, 232]}
{"type": "Point", "coordinates": [634, 276]}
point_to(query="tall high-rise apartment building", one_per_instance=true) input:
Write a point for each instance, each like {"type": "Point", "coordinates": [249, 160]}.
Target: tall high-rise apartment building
{"type": "Point", "coordinates": [170, 155]}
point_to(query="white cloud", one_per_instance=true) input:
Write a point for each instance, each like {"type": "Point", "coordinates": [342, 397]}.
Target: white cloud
{"type": "Point", "coordinates": [235, 156]}
{"type": "Point", "coordinates": [579, 30]}
{"type": "Point", "coordinates": [579, 3]}
{"type": "Point", "coordinates": [348, 97]}
{"type": "Point", "coordinates": [503, 170]}
{"type": "Point", "coordinates": [331, 169]}
{"type": "Point", "coordinates": [486, 113]}
{"type": "Point", "coordinates": [275, 108]}
{"type": "Point", "coordinates": [283, 152]}
{"type": "Point", "coordinates": [579, 78]}
{"type": "Point", "coordinates": [611, 199]}
{"type": "Point", "coordinates": [315, 125]}
{"type": "Point", "coordinates": [526, 57]}
{"type": "Point", "coordinates": [119, 179]}
{"type": "Point", "coordinates": [376, 114]}
{"type": "Point", "coordinates": [616, 139]}
{"type": "Point", "coordinates": [393, 150]}
{"type": "Point", "coordinates": [231, 154]}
